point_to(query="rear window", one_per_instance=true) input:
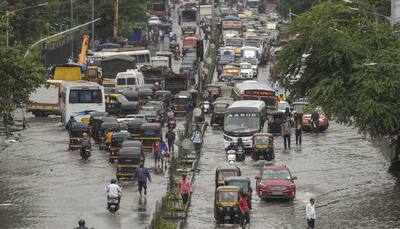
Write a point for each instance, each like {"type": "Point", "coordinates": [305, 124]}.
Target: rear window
{"type": "Point", "coordinates": [130, 81]}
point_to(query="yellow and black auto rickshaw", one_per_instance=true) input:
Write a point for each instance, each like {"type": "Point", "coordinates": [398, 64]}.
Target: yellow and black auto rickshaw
{"type": "Point", "coordinates": [113, 103]}
{"type": "Point", "coordinates": [215, 90]}
{"type": "Point", "coordinates": [262, 146]}
{"type": "Point", "coordinates": [226, 204]}
{"type": "Point", "coordinates": [129, 108]}
{"type": "Point", "coordinates": [180, 102]}
{"type": "Point", "coordinates": [244, 184]}
{"type": "Point", "coordinates": [135, 128]}
{"type": "Point", "coordinates": [129, 159]}
{"type": "Point", "coordinates": [218, 113]}
{"type": "Point", "coordinates": [116, 142]}
{"type": "Point", "coordinates": [105, 127]}
{"type": "Point", "coordinates": [221, 173]}
{"type": "Point", "coordinates": [76, 134]}
{"type": "Point", "coordinates": [134, 143]}
{"type": "Point", "coordinates": [152, 132]}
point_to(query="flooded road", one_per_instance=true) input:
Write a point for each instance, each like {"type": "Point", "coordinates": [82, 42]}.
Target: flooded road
{"type": "Point", "coordinates": [345, 173]}
{"type": "Point", "coordinates": [45, 186]}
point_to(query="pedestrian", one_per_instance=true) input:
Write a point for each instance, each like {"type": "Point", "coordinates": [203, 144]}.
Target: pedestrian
{"type": "Point", "coordinates": [315, 122]}
{"type": "Point", "coordinates": [155, 149]}
{"type": "Point", "coordinates": [142, 174]}
{"type": "Point", "coordinates": [197, 139]}
{"type": "Point", "coordinates": [170, 136]}
{"type": "Point", "coordinates": [163, 151]}
{"type": "Point", "coordinates": [310, 214]}
{"type": "Point", "coordinates": [81, 224]}
{"type": "Point", "coordinates": [286, 130]}
{"type": "Point", "coordinates": [297, 125]}
{"type": "Point", "coordinates": [244, 208]}
{"type": "Point", "coordinates": [185, 189]}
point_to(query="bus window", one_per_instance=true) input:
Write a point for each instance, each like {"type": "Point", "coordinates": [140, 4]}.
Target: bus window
{"type": "Point", "coordinates": [85, 96]}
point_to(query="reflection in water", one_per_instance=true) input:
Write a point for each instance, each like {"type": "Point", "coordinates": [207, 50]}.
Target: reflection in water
{"type": "Point", "coordinates": [142, 204]}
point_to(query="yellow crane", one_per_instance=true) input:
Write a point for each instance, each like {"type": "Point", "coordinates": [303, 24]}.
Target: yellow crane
{"type": "Point", "coordinates": [84, 49]}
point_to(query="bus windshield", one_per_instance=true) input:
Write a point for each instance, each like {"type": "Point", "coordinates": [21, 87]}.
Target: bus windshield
{"type": "Point", "coordinates": [241, 123]}
{"type": "Point", "coordinates": [189, 16]}
{"type": "Point", "coordinates": [85, 96]}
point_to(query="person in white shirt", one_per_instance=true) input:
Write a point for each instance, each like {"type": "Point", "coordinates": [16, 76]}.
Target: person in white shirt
{"type": "Point", "coordinates": [310, 214]}
{"type": "Point", "coordinates": [113, 191]}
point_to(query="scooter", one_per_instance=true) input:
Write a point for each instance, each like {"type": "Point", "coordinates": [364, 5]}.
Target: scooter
{"type": "Point", "coordinates": [231, 156]}
{"type": "Point", "coordinates": [85, 153]}
{"type": "Point", "coordinates": [113, 204]}
{"type": "Point", "coordinates": [206, 107]}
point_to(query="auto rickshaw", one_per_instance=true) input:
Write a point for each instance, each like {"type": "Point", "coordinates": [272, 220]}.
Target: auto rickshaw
{"type": "Point", "coordinates": [135, 128]}
{"type": "Point", "coordinates": [218, 112]}
{"type": "Point", "coordinates": [129, 159]}
{"type": "Point", "coordinates": [222, 173]}
{"type": "Point", "coordinates": [95, 121]}
{"type": "Point", "coordinates": [128, 108]}
{"type": "Point", "coordinates": [116, 142]}
{"type": "Point", "coordinates": [226, 204]}
{"type": "Point", "coordinates": [161, 109]}
{"type": "Point", "coordinates": [215, 90]}
{"type": "Point", "coordinates": [145, 94]}
{"type": "Point", "coordinates": [244, 184]}
{"type": "Point", "coordinates": [131, 95]}
{"type": "Point", "coordinates": [263, 145]}
{"type": "Point", "coordinates": [274, 124]}
{"type": "Point", "coordinates": [189, 41]}
{"type": "Point", "coordinates": [134, 143]}
{"type": "Point", "coordinates": [164, 96]}
{"type": "Point", "coordinates": [113, 103]}
{"type": "Point", "coordinates": [103, 130]}
{"type": "Point", "coordinates": [76, 134]}
{"type": "Point", "coordinates": [180, 102]}
{"type": "Point", "coordinates": [152, 133]}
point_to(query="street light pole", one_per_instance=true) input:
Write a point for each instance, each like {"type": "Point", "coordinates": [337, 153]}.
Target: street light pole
{"type": "Point", "coordinates": [92, 38]}
{"type": "Point", "coordinates": [72, 25]}
{"type": "Point", "coordinates": [11, 12]}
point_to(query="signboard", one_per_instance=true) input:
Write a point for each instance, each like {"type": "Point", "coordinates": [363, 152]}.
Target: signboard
{"type": "Point", "coordinates": [259, 93]}
{"type": "Point", "coordinates": [242, 115]}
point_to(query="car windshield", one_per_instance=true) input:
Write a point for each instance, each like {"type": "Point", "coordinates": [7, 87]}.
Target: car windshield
{"type": "Point", "coordinates": [283, 106]}
{"type": "Point", "coordinates": [241, 123]}
{"type": "Point", "coordinates": [269, 174]}
{"type": "Point", "coordinates": [224, 174]}
{"type": "Point", "coordinates": [228, 196]}
{"type": "Point", "coordinates": [261, 140]}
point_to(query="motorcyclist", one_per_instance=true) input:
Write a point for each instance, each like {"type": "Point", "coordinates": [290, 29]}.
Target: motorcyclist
{"type": "Point", "coordinates": [156, 87]}
{"type": "Point", "coordinates": [85, 142]}
{"type": "Point", "coordinates": [231, 146]}
{"type": "Point", "coordinates": [177, 53]}
{"type": "Point", "coordinates": [239, 144]}
{"type": "Point", "coordinates": [81, 224]}
{"type": "Point", "coordinates": [113, 191]}
{"type": "Point", "coordinates": [70, 122]}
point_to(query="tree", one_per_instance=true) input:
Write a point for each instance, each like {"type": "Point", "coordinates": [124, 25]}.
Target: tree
{"type": "Point", "coordinates": [334, 49]}
{"type": "Point", "coordinates": [19, 77]}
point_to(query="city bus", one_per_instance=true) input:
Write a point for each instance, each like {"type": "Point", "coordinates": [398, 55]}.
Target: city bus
{"type": "Point", "coordinates": [79, 99]}
{"type": "Point", "coordinates": [142, 57]}
{"type": "Point", "coordinates": [242, 119]}
{"type": "Point", "coordinates": [254, 90]}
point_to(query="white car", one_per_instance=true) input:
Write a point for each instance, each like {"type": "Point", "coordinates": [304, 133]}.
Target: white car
{"type": "Point", "coordinates": [154, 20]}
{"type": "Point", "coordinates": [246, 70]}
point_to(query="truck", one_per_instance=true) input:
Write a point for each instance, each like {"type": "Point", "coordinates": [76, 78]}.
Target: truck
{"type": "Point", "coordinates": [176, 82]}
{"type": "Point", "coordinates": [111, 66]}
{"type": "Point", "coordinates": [188, 20]}
{"type": "Point", "coordinates": [154, 74]}
{"type": "Point", "coordinates": [206, 13]}
{"type": "Point", "coordinates": [45, 100]}
{"type": "Point", "coordinates": [159, 8]}
{"type": "Point", "coordinates": [67, 72]}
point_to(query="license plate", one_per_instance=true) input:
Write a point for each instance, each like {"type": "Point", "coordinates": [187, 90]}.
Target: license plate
{"type": "Point", "coordinates": [277, 193]}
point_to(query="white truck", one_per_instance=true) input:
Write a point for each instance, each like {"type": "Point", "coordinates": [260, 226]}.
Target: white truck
{"type": "Point", "coordinates": [206, 13]}
{"type": "Point", "coordinates": [46, 99]}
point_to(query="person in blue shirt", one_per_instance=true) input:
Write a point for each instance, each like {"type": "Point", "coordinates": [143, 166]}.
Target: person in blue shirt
{"type": "Point", "coordinates": [142, 175]}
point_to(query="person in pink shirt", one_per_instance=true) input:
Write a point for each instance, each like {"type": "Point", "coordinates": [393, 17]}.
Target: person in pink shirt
{"type": "Point", "coordinates": [185, 189]}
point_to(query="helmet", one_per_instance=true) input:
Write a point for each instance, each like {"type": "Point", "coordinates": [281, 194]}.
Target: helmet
{"type": "Point", "coordinates": [156, 83]}
{"type": "Point", "coordinates": [84, 135]}
{"type": "Point", "coordinates": [81, 222]}
{"type": "Point", "coordinates": [71, 116]}
{"type": "Point", "coordinates": [232, 143]}
{"type": "Point", "coordinates": [113, 181]}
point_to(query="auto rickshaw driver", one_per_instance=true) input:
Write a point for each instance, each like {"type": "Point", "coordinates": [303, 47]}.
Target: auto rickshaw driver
{"type": "Point", "coordinates": [108, 137]}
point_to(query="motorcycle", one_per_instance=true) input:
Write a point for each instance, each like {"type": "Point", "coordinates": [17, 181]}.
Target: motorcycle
{"type": "Point", "coordinates": [231, 156]}
{"type": "Point", "coordinates": [206, 107]}
{"type": "Point", "coordinates": [85, 153]}
{"type": "Point", "coordinates": [172, 37]}
{"type": "Point", "coordinates": [113, 204]}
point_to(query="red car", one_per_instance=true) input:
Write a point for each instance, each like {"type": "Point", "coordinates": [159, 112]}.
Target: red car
{"type": "Point", "coordinates": [275, 181]}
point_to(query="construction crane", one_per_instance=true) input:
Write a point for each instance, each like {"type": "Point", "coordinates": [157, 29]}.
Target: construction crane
{"type": "Point", "coordinates": [84, 49]}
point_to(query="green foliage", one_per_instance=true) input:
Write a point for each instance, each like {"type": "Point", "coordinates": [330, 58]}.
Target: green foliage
{"type": "Point", "coordinates": [339, 43]}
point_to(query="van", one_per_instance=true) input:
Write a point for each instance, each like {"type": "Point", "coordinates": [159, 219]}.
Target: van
{"type": "Point", "coordinates": [132, 78]}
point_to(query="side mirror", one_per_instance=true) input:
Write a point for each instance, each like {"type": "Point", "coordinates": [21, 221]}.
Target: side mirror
{"type": "Point", "coordinates": [258, 177]}
{"type": "Point", "coordinates": [294, 178]}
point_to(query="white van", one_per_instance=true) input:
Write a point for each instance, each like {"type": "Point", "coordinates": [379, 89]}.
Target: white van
{"type": "Point", "coordinates": [132, 78]}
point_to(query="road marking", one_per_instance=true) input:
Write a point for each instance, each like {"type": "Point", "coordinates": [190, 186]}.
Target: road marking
{"type": "Point", "coordinates": [5, 204]}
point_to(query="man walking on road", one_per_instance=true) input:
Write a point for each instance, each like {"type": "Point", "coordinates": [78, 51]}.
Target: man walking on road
{"type": "Point", "coordinates": [310, 214]}
{"type": "Point", "coordinates": [244, 207]}
{"type": "Point", "coordinates": [286, 133]}
{"type": "Point", "coordinates": [197, 139]}
{"type": "Point", "coordinates": [185, 189]}
{"type": "Point", "coordinates": [142, 174]}
{"type": "Point", "coordinates": [170, 136]}
{"type": "Point", "coordinates": [297, 125]}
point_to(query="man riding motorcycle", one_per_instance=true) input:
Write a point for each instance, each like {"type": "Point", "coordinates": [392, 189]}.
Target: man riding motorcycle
{"type": "Point", "coordinates": [113, 191]}
{"type": "Point", "coordinates": [240, 144]}
{"type": "Point", "coordinates": [231, 146]}
{"type": "Point", "coordinates": [81, 224]}
{"type": "Point", "coordinates": [85, 144]}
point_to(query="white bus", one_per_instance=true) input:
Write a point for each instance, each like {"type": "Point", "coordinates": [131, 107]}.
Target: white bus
{"type": "Point", "coordinates": [79, 99]}
{"type": "Point", "coordinates": [243, 119]}
{"type": "Point", "coordinates": [142, 56]}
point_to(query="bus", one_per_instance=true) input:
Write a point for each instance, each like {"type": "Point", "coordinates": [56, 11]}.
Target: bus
{"type": "Point", "coordinates": [254, 90]}
{"type": "Point", "coordinates": [243, 119]}
{"type": "Point", "coordinates": [142, 57]}
{"type": "Point", "coordinates": [79, 99]}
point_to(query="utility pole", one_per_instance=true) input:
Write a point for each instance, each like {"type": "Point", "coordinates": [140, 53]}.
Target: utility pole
{"type": "Point", "coordinates": [116, 8]}
{"type": "Point", "coordinates": [290, 15]}
{"type": "Point", "coordinates": [7, 29]}
{"type": "Point", "coordinates": [72, 25]}
{"type": "Point", "coordinates": [92, 38]}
